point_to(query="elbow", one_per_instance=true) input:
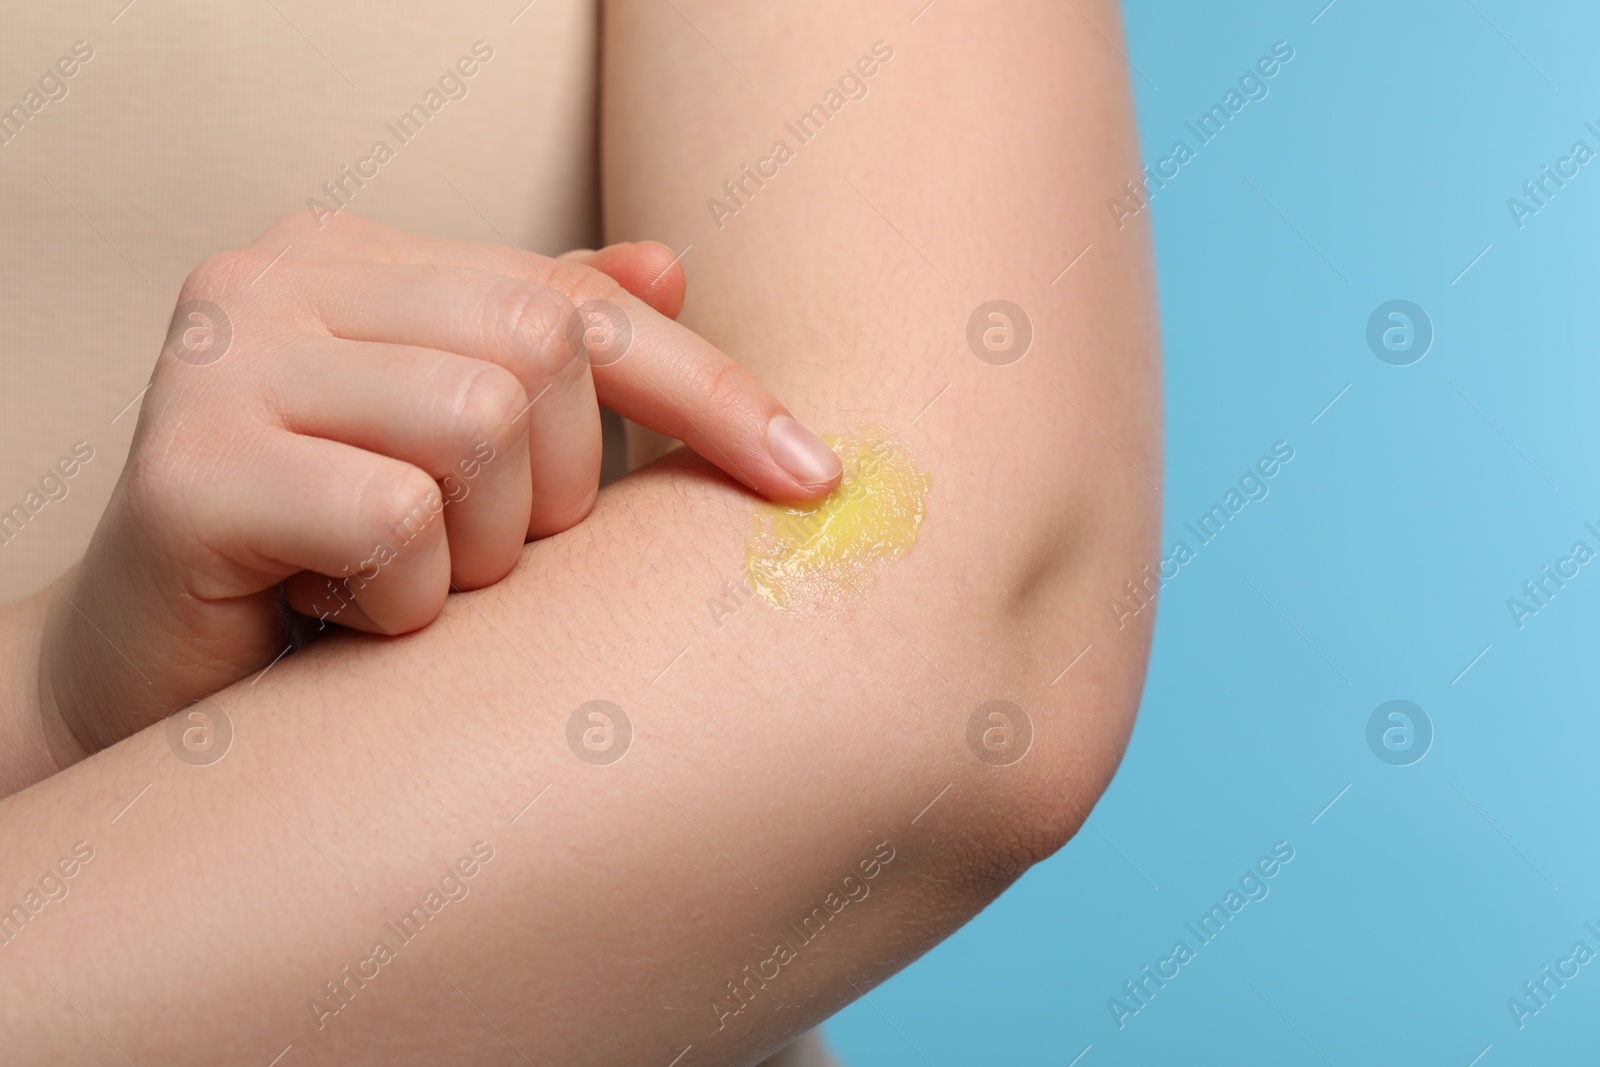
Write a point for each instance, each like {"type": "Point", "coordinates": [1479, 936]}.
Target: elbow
{"type": "Point", "coordinates": [1052, 670]}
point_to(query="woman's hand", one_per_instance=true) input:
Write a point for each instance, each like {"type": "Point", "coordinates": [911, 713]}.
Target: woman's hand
{"type": "Point", "coordinates": [373, 419]}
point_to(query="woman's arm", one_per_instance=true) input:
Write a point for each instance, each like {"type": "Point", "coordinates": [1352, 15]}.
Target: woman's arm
{"type": "Point", "coordinates": [799, 812]}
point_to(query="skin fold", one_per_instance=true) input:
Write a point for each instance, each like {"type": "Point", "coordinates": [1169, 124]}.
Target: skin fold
{"type": "Point", "coordinates": [774, 758]}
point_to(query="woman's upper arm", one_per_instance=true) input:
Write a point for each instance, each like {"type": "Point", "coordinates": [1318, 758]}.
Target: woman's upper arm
{"type": "Point", "coordinates": [906, 223]}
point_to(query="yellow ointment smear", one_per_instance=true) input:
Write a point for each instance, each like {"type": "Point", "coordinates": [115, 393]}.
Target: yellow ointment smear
{"type": "Point", "coordinates": [823, 555]}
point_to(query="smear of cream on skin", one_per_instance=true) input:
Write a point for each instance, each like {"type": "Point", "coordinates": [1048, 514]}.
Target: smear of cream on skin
{"type": "Point", "coordinates": [827, 554]}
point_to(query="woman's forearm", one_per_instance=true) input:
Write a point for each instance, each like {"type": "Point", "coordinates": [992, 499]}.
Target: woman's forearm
{"type": "Point", "coordinates": [771, 758]}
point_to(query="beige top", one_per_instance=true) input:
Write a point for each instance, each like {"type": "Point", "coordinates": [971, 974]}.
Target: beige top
{"type": "Point", "coordinates": [137, 140]}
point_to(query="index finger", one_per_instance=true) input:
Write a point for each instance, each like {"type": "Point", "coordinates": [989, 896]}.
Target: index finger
{"type": "Point", "coordinates": [666, 377]}
{"type": "Point", "coordinates": [645, 366]}
{"type": "Point", "coordinates": [662, 375]}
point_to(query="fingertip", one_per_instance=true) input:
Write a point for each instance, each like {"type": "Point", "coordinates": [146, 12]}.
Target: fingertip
{"type": "Point", "coordinates": [647, 269]}
{"type": "Point", "coordinates": [814, 467]}
{"type": "Point", "coordinates": [326, 601]}
{"type": "Point", "coordinates": [480, 573]}
{"type": "Point", "coordinates": [668, 280]}
{"type": "Point", "coordinates": [405, 592]}
{"type": "Point", "coordinates": [671, 285]}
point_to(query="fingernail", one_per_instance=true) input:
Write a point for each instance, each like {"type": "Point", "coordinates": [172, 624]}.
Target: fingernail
{"type": "Point", "coordinates": [802, 453]}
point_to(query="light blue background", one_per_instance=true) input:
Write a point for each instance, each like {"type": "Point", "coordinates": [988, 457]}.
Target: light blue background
{"type": "Point", "coordinates": [1414, 507]}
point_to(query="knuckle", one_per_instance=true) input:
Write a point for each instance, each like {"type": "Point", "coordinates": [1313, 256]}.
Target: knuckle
{"type": "Point", "coordinates": [484, 406]}
{"type": "Point", "coordinates": [162, 490]}
{"type": "Point", "coordinates": [725, 387]}
{"type": "Point", "coordinates": [219, 274]}
{"type": "Point", "coordinates": [606, 321]}
{"type": "Point", "coordinates": [397, 500]}
{"type": "Point", "coordinates": [152, 485]}
{"type": "Point", "coordinates": [529, 324]}
{"type": "Point", "coordinates": [288, 227]}
{"type": "Point", "coordinates": [581, 283]}
{"type": "Point", "coordinates": [347, 228]}
{"type": "Point", "coordinates": [307, 222]}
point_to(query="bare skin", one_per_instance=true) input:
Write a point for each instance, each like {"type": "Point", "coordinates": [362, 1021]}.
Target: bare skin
{"type": "Point", "coordinates": [385, 419]}
{"type": "Point", "coordinates": [772, 755]}
{"type": "Point", "coordinates": [177, 595]}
